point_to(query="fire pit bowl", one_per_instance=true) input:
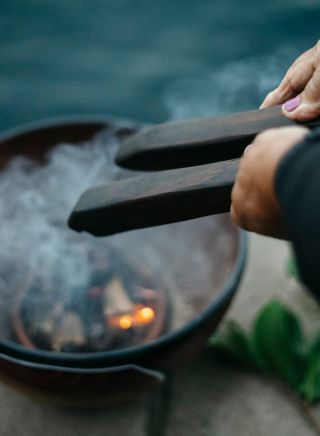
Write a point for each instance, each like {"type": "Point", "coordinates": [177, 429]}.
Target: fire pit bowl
{"type": "Point", "coordinates": [206, 253]}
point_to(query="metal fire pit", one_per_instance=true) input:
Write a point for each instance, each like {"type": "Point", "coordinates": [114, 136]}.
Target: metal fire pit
{"type": "Point", "coordinates": [110, 376]}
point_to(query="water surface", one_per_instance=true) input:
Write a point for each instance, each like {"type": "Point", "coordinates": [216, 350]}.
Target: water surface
{"type": "Point", "coordinates": [147, 60]}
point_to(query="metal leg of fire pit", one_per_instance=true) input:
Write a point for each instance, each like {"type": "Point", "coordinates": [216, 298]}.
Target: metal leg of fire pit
{"type": "Point", "coordinates": [158, 406]}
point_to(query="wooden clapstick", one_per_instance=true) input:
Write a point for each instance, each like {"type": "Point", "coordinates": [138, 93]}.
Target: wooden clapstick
{"type": "Point", "coordinates": [199, 141]}
{"type": "Point", "coordinates": [154, 199]}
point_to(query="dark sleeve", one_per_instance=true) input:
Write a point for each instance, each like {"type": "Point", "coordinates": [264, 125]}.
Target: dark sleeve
{"type": "Point", "coordinates": [298, 191]}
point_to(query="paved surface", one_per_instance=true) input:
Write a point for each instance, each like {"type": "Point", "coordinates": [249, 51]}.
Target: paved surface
{"type": "Point", "coordinates": [220, 400]}
{"type": "Point", "coordinates": [209, 398]}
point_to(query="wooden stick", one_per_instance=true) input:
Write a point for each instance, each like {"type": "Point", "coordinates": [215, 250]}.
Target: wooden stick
{"type": "Point", "coordinates": [154, 199]}
{"type": "Point", "coordinates": [196, 142]}
{"type": "Point", "coordinates": [115, 299]}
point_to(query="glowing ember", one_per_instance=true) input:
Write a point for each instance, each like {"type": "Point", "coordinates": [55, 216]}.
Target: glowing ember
{"type": "Point", "coordinates": [110, 312]}
{"type": "Point", "coordinates": [125, 322]}
{"type": "Point", "coordinates": [145, 315]}
{"type": "Point", "coordinates": [140, 316]}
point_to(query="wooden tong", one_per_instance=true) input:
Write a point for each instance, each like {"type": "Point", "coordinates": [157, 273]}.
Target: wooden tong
{"type": "Point", "coordinates": [180, 194]}
{"type": "Point", "coordinates": [200, 141]}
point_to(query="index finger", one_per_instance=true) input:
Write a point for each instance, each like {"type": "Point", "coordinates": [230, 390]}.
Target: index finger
{"type": "Point", "coordinates": [294, 81]}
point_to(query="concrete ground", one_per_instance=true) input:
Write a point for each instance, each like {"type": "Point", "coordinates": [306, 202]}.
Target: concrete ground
{"type": "Point", "coordinates": [210, 398]}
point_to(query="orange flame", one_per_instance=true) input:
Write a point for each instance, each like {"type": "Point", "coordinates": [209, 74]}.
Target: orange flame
{"type": "Point", "coordinates": [125, 322]}
{"type": "Point", "coordinates": [145, 315]}
{"type": "Point", "coordinates": [141, 316]}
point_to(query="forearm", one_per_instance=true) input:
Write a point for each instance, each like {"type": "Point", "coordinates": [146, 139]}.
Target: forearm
{"type": "Point", "coordinates": [298, 191]}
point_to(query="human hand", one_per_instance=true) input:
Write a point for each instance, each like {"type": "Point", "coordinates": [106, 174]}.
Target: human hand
{"type": "Point", "coordinates": [254, 203]}
{"type": "Point", "coordinates": [299, 90]}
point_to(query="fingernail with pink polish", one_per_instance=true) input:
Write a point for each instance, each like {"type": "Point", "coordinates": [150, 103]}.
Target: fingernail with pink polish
{"type": "Point", "coordinates": [292, 104]}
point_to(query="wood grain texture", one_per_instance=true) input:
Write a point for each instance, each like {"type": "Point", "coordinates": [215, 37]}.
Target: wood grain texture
{"type": "Point", "coordinates": [199, 141]}
{"type": "Point", "coordinates": [155, 199]}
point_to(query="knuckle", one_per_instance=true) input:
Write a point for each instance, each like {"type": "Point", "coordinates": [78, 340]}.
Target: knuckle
{"type": "Point", "coordinates": [270, 95]}
{"type": "Point", "coordinates": [266, 135]}
{"type": "Point", "coordinates": [312, 91]}
{"type": "Point", "coordinates": [240, 208]}
{"type": "Point", "coordinates": [235, 194]}
{"type": "Point", "coordinates": [237, 217]}
{"type": "Point", "coordinates": [290, 83]}
{"type": "Point", "coordinates": [316, 53]}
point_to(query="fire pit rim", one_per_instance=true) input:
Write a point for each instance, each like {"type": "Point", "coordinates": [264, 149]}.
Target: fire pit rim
{"type": "Point", "coordinates": [51, 360]}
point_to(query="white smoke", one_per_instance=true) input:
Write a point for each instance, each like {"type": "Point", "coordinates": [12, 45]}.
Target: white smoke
{"type": "Point", "coordinates": [234, 87]}
{"type": "Point", "coordinates": [35, 202]}
{"type": "Point", "coordinates": [36, 243]}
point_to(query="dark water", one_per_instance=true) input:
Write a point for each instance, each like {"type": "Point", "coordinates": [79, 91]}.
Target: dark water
{"type": "Point", "coordinates": [148, 60]}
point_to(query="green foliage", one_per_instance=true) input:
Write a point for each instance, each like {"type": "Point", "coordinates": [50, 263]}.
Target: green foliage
{"type": "Point", "coordinates": [276, 344]}
{"type": "Point", "coordinates": [277, 339]}
{"type": "Point", "coordinates": [309, 388]}
{"type": "Point", "coordinates": [292, 268]}
{"type": "Point", "coordinates": [234, 341]}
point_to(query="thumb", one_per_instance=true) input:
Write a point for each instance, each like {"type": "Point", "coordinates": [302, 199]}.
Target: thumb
{"type": "Point", "coordinates": [305, 106]}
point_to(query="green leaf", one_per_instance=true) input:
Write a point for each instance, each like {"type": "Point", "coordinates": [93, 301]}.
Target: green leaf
{"type": "Point", "coordinates": [276, 344]}
{"type": "Point", "coordinates": [235, 342]}
{"type": "Point", "coordinates": [278, 341]}
{"type": "Point", "coordinates": [310, 385]}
